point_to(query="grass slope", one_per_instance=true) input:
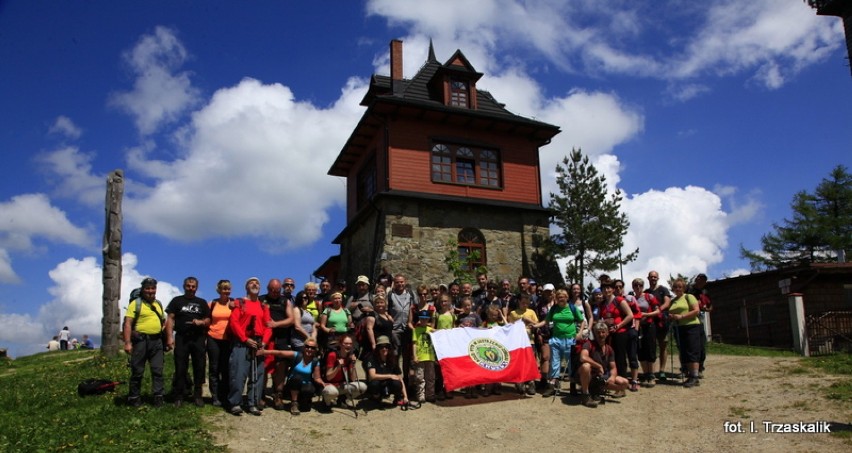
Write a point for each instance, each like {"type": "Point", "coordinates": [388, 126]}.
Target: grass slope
{"type": "Point", "coordinates": [41, 412]}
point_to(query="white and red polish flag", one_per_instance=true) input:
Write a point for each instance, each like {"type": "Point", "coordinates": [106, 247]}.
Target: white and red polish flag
{"type": "Point", "coordinates": [471, 356]}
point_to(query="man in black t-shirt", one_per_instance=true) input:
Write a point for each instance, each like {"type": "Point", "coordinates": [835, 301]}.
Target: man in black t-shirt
{"type": "Point", "coordinates": [189, 317]}
{"type": "Point", "coordinates": [279, 299]}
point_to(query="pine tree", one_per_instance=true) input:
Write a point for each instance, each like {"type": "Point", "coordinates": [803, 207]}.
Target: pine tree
{"type": "Point", "coordinates": [819, 231]}
{"type": "Point", "coordinates": [592, 228]}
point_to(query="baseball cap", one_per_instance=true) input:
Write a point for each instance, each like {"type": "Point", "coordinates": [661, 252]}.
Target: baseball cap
{"type": "Point", "coordinates": [149, 282]}
{"type": "Point", "coordinates": [362, 279]}
{"type": "Point", "coordinates": [548, 287]}
{"type": "Point", "coordinates": [383, 339]}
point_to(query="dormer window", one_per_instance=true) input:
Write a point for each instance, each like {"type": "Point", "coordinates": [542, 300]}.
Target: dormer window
{"type": "Point", "coordinates": [459, 93]}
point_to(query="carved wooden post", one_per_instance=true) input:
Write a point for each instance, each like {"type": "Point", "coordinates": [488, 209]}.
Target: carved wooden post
{"type": "Point", "coordinates": [110, 323]}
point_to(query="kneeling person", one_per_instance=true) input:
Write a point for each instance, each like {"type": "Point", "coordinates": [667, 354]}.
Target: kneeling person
{"type": "Point", "coordinates": [341, 378]}
{"type": "Point", "coordinates": [597, 361]}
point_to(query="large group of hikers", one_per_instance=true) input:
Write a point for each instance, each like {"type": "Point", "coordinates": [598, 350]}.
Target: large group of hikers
{"type": "Point", "coordinates": [262, 350]}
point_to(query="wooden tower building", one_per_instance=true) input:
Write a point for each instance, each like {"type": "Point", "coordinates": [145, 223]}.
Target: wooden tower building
{"type": "Point", "coordinates": [435, 159]}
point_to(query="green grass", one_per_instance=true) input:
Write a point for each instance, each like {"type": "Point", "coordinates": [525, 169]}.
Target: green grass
{"type": "Point", "coordinates": [41, 412]}
{"type": "Point", "coordinates": [751, 351]}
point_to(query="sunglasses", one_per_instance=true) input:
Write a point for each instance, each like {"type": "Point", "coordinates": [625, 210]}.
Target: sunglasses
{"type": "Point", "coordinates": [291, 285]}
{"type": "Point", "coordinates": [310, 348]}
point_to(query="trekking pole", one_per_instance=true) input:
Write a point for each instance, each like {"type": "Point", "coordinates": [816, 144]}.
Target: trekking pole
{"type": "Point", "coordinates": [671, 347]}
{"type": "Point", "coordinates": [253, 380]}
{"type": "Point", "coordinates": [349, 396]}
{"type": "Point", "coordinates": [680, 353]}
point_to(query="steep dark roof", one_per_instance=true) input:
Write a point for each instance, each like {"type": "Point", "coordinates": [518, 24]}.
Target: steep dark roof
{"type": "Point", "coordinates": [386, 95]}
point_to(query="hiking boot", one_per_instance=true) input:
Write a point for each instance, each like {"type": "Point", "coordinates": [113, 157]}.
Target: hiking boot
{"type": "Point", "coordinates": [158, 401]}
{"type": "Point", "coordinates": [236, 411]}
{"type": "Point", "coordinates": [700, 375]}
{"type": "Point", "coordinates": [216, 402]}
{"type": "Point", "coordinates": [691, 382]}
{"type": "Point", "coordinates": [661, 376]}
{"type": "Point", "coordinates": [549, 391]}
{"type": "Point", "coordinates": [278, 403]}
{"type": "Point", "coordinates": [196, 397]}
{"type": "Point", "coordinates": [587, 400]}
{"type": "Point", "coordinates": [531, 389]}
{"type": "Point", "coordinates": [649, 383]}
{"type": "Point", "coordinates": [254, 411]}
{"type": "Point", "coordinates": [134, 401]}
{"type": "Point", "coordinates": [294, 409]}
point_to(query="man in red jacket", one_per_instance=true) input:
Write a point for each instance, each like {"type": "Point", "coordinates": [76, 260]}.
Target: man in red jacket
{"type": "Point", "coordinates": [249, 331]}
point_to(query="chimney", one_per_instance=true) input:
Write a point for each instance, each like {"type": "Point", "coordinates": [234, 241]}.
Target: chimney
{"type": "Point", "coordinates": [396, 59]}
{"type": "Point", "coordinates": [396, 66]}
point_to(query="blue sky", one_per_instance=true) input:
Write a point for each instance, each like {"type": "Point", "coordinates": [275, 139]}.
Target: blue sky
{"type": "Point", "coordinates": [226, 116]}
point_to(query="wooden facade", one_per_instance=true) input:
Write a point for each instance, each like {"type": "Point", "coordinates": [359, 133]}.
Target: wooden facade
{"type": "Point", "coordinates": [754, 309]}
{"type": "Point", "coordinates": [438, 140]}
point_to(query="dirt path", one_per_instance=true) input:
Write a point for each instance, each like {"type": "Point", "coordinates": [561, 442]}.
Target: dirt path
{"type": "Point", "coordinates": [664, 418]}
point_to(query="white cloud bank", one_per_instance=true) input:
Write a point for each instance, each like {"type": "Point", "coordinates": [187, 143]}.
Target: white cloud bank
{"type": "Point", "coordinates": [76, 302]}
{"type": "Point", "coordinates": [770, 40]}
{"type": "Point", "coordinates": [26, 218]}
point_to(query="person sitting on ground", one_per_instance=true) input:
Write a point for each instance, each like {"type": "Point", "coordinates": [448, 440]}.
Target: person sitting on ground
{"type": "Point", "coordinates": [384, 375]}
{"type": "Point", "coordinates": [304, 374]}
{"type": "Point", "coordinates": [87, 343]}
{"type": "Point", "coordinates": [597, 361]}
{"type": "Point", "coordinates": [53, 345]}
{"type": "Point", "coordinates": [341, 379]}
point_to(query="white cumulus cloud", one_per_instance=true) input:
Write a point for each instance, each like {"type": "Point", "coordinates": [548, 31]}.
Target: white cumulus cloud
{"type": "Point", "coordinates": [64, 126]}
{"type": "Point", "coordinates": [161, 92]}
{"type": "Point", "coordinates": [258, 154]}
{"type": "Point", "coordinates": [76, 301]}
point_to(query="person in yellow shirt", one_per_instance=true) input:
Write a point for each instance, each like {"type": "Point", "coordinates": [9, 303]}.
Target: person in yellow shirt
{"type": "Point", "coordinates": [143, 340]}
{"type": "Point", "coordinates": [524, 313]}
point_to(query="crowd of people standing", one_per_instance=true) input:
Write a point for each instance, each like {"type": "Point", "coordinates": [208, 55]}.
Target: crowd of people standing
{"type": "Point", "coordinates": [308, 342]}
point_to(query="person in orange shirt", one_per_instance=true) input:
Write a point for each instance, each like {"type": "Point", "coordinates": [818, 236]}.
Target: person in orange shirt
{"type": "Point", "coordinates": [219, 343]}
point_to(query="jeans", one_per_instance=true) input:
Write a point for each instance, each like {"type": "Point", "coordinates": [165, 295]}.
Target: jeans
{"type": "Point", "coordinates": [243, 361]}
{"type": "Point", "coordinates": [560, 348]}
